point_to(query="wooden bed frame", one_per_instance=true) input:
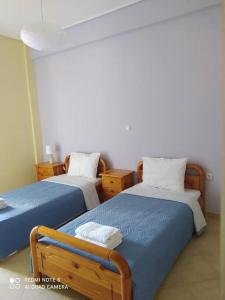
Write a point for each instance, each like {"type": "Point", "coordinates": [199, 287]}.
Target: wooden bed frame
{"type": "Point", "coordinates": [85, 275]}
{"type": "Point", "coordinates": [102, 167]}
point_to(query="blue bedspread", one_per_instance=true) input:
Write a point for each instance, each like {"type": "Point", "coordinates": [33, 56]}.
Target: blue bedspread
{"type": "Point", "coordinates": [45, 203]}
{"type": "Point", "coordinates": [155, 232]}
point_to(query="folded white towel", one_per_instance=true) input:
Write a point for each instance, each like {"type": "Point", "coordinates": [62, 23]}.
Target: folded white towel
{"type": "Point", "coordinates": [3, 204]}
{"type": "Point", "coordinates": [99, 233]}
{"type": "Point", "coordinates": [110, 245]}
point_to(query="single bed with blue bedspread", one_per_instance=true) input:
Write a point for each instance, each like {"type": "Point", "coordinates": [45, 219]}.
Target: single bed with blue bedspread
{"type": "Point", "coordinates": [154, 233]}
{"type": "Point", "coordinates": [46, 203]}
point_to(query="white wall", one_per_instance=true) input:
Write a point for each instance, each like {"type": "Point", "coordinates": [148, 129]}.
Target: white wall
{"type": "Point", "coordinates": [163, 79]}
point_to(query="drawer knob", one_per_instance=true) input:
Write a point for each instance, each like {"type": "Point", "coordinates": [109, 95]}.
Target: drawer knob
{"type": "Point", "coordinates": [111, 181]}
{"type": "Point", "coordinates": [76, 265]}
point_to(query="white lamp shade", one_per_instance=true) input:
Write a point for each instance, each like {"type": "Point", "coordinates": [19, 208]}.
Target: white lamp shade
{"type": "Point", "coordinates": [48, 150]}
{"type": "Point", "coordinates": [42, 36]}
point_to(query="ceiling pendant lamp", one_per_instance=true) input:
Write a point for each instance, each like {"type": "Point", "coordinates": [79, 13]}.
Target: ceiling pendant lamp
{"type": "Point", "coordinates": [42, 36]}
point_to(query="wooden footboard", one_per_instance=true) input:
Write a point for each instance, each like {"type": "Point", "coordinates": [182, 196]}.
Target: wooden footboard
{"type": "Point", "coordinates": [80, 273]}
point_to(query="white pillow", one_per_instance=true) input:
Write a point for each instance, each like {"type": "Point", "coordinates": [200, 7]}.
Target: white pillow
{"type": "Point", "coordinates": [82, 164]}
{"type": "Point", "coordinates": [164, 173]}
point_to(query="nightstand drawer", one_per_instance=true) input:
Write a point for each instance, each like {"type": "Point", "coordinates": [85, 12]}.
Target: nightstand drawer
{"type": "Point", "coordinates": [112, 190]}
{"type": "Point", "coordinates": [41, 177]}
{"type": "Point", "coordinates": [111, 183]}
{"type": "Point", "coordinates": [45, 171]}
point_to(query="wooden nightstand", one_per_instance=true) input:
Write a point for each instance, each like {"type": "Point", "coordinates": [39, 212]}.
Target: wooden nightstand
{"type": "Point", "coordinates": [115, 181]}
{"type": "Point", "coordinates": [45, 170]}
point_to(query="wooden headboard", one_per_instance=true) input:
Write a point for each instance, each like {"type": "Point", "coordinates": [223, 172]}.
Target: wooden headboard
{"type": "Point", "coordinates": [102, 165]}
{"type": "Point", "coordinates": [194, 179]}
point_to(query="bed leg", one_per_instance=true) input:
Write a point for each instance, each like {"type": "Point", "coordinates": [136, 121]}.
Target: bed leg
{"type": "Point", "coordinates": [126, 289]}
{"type": "Point", "coordinates": [33, 245]}
{"type": "Point", "coordinates": [125, 273]}
{"type": "Point", "coordinates": [38, 277]}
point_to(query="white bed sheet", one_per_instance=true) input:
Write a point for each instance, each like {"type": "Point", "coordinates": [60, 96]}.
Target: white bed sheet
{"type": "Point", "coordinates": [189, 197]}
{"type": "Point", "coordinates": [87, 185]}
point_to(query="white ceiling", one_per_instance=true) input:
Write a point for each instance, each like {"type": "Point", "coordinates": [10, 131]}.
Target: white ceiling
{"type": "Point", "coordinates": [16, 13]}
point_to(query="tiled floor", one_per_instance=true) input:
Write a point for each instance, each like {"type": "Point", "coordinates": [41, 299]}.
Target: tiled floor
{"type": "Point", "coordinates": [195, 276]}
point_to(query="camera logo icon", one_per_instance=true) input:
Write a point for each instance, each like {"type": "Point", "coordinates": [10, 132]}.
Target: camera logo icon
{"type": "Point", "coordinates": [14, 283]}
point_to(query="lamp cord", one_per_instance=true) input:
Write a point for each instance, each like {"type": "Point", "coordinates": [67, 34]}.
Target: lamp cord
{"type": "Point", "coordinates": [42, 14]}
